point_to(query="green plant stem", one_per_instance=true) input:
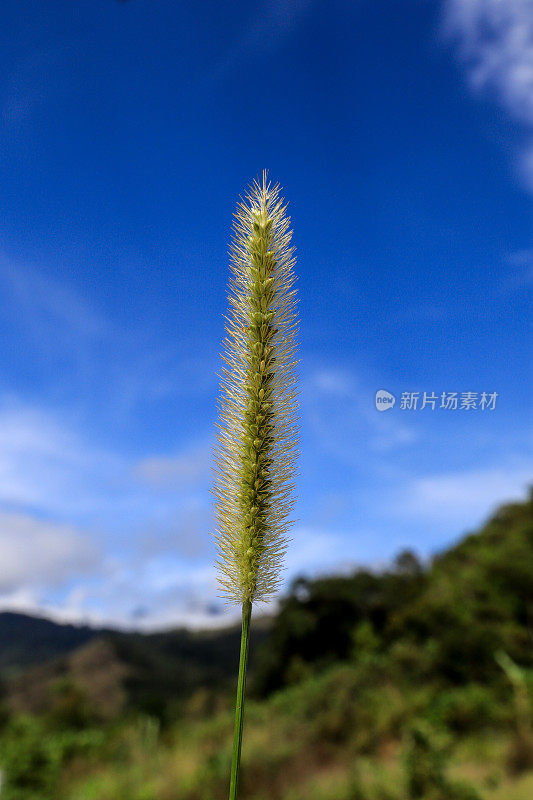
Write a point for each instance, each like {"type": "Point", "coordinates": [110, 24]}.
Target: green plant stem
{"type": "Point", "coordinates": [239, 706]}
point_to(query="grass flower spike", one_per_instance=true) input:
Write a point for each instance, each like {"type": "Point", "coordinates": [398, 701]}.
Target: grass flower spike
{"type": "Point", "coordinates": [257, 431]}
{"type": "Point", "coordinates": [256, 451]}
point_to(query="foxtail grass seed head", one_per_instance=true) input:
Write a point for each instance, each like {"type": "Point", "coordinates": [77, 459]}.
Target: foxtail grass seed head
{"type": "Point", "coordinates": [256, 449]}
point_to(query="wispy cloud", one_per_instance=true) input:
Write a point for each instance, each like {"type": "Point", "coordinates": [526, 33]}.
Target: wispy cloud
{"type": "Point", "coordinates": [314, 550]}
{"type": "Point", "coordinates": [36, 553]}
{"type": "Point", "coordinates": [146, 554]}
{"type": "Point", "coordinates": [333, 381]}
{"type": "Point", "coordinates": [268, 28]}
{"type": "Point", "coordinates": [45, 307]}
{"type": "Point", "coordinates": [147, 561]}
{"type": "Point", "coordinates": [521, 274]}
{"type": "Point", "coordinates": [45, 464]}
{"type": "Point", "coordinates": [190, 466]}
{"type": "Point", "coordinates": [464, 494]}
{"type": "Point", "coordinates": [155, 593]}
{"type": "Point", "coordinates": [340, 411]}
{"type": "Point", "coordinates": [50, 465]}
{"type": "Point", "coordinates": [495, 42]}
{"type": "Point", "coordinates": [68, 342]}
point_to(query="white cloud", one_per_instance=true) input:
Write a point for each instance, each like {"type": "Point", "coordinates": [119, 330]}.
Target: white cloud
{"type": "Point", "coordinates": [149, 544]}
{"type": "Point", "coordinates": [47, 307]}
{"type": "Point", "coordinates": [339, 408]}
{"type": "Point", "coordinates": [57, 570]}
{"type": "Point", "coordinates": [189, 466]}
{"type": "Point", "coordinates": [36, 553]}
{"type": "Point", "coordinates": [333, 381]}
{"type": "Point", "coordinates": [153, 593]}
{"type": "Point", "coordinates": [50, 465]}
{"type": "Point", "coordinates": [495, 41]}
{"type": "Point", "coordinates": [464, 497]}
{"type": "Point", "coordinates": [46, 465]}
{"type": "Point", "coordinates": [311, 549]}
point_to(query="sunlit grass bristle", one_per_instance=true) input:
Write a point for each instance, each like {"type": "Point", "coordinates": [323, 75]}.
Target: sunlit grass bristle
{"type": "Point", "coordinates": [257, 433]}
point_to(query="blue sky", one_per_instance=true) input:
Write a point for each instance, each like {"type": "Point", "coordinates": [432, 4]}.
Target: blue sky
{"type": "Point", "coordinates": [402, 134]}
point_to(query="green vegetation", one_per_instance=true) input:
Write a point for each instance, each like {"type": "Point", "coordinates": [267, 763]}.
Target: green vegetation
{"type": "Point", "coordinates": [411, 684]}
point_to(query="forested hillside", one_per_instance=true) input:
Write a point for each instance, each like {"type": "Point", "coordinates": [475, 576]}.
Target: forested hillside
{"type": "Point", "coordinates": [444, 621]}
{"type": "Point", "coordinates": [410, 683]}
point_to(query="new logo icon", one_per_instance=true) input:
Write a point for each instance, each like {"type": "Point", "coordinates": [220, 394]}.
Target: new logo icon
{"type": "Point", "coordinates": [384, 400]}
